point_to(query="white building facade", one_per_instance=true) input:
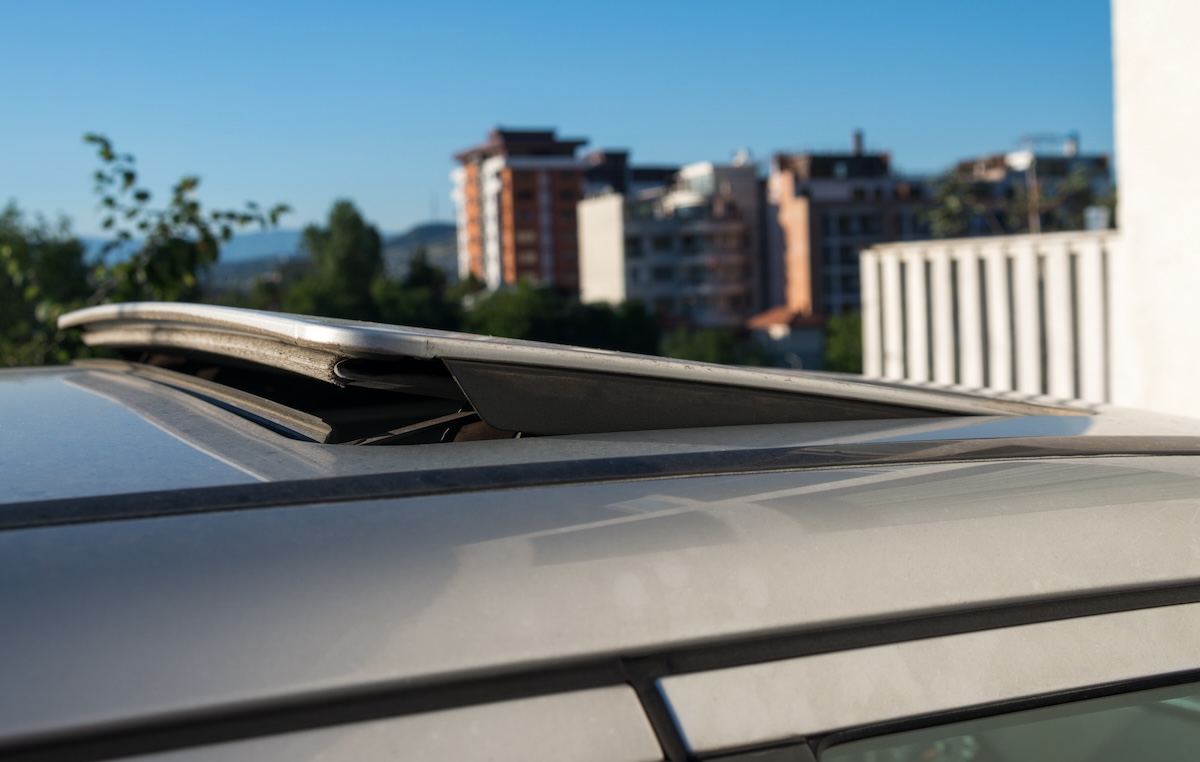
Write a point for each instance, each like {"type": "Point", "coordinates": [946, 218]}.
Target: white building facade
{"type": "Point", "coordinates": [689, 251]}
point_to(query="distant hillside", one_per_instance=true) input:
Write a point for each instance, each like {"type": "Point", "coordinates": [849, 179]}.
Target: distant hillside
{"type": "Point", "coordinates": [271, 243]}
{"type": "Point", "coordinates": [439, 241]}
{"type": "Point", "coordinates": [437, 238]}
{"type": "Point", "coordinates": [241, 248]}
{"type": "Point", "coordinates": [254, 255]}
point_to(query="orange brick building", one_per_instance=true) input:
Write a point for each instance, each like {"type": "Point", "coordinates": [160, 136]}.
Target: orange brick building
{"type": "Point", "coordinates": [515, 197]}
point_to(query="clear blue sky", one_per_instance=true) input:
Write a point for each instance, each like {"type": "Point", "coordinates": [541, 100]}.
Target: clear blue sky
{"type": "Point", "coordinates": [307, 102]}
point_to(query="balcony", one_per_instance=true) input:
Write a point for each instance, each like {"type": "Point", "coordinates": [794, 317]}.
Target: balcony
{"type": "Point", "coordinates": [1028, 314]}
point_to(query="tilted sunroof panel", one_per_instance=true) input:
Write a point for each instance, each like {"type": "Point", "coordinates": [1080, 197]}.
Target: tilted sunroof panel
{"type": "Point", "coordinates": [318, 346]}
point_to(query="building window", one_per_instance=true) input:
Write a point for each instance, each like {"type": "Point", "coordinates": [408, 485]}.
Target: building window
{"type": "Point", "coordinates": [662, 243]}
{"type": "Point", "coordinates": [633, 247]}
{"type": "Point", "coordinates": [662, 274]}
{"type": "Point", "coordinates": [524, 195]}
{"type": "Point", "coordinates": [635, 275]}
{"type": "Point", "coordinates": [695, 275]}
{"type": "Point", "coordinates": [567, 195]}
{"type": "Point", "coordinates": [690, 243]}
{"type": "Point", "coordinates": [527, 257]}
{"type": "Point", "coordinates": [526, 236]}
{"type": "Point", "coordinates": [567, 214]}
{"type": "Point", "coordinates": [526, 215]}
{"type": "Point", "coordinates": [570, 254]}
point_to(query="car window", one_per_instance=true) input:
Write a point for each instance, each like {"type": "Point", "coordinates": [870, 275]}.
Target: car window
{"type": "Point", "coordinates": [1162, 725]}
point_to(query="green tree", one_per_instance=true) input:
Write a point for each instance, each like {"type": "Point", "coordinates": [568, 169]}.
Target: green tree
{"type": "Point", "coordinates": [543, 314]}
{"type": "Point", "coordinates": [958, 203]}
{"type": "Point", "coordinates": [176, 242]}
{"type": "Point", "coordinates": [419, 299]}
{"type": "Point", "coordinates": [346, 258]}
{"type": "Point", "coordinates": [716, 345]}
{"type": "Point", "coordinates": [963, 206]}
{"type": "Point", "coordinates": [843, 343]}
{"type": "Point", "coordinates": [43, 273]}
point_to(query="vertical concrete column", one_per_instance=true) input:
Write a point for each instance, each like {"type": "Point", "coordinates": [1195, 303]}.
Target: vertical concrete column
{"type": "Point", "coordinates": [1027, 312]}
{"type": "Point", "coordinates": [1092, 320]}
{"type": "Point", "coordinates": [868, 278]}
{"type": "Point", "coordinates": [917, 315]}
{"type": "Point", "coordinates": [1154, 311]}
{"type": "Point", "coordinates": [942, 314]}
{"type": "Point", "coordinates": [1060, 329]}
{"type": "Point", "coordinates": [970, 318]}
{"type": "Point", "coordinates": [999, 318]}
{"type": "Point", "coordinates": [893, 317]}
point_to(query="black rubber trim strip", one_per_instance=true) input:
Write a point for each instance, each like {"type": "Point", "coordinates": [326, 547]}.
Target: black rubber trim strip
{"type": "Point", "coordinates": [642, 671]}
{"type": "Point", "coordinates": [138, 505]}
{"type": "Point", "coordinates": [824, 742]}
{"type": "Point", "coordinates": [658, 712]}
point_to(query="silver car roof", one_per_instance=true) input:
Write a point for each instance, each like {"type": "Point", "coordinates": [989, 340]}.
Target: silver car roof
{"type": "Point", "coordinates": [161, 617]}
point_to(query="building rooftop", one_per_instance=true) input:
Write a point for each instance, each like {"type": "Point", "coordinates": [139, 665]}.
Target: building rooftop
{"type": "Point", "coordinates": [507, 142]}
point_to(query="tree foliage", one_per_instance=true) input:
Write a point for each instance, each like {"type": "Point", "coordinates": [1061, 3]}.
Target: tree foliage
{"type": "Point", "coordinates": [963, 206]}
{"type": "Point", "coordinates": [716, 345]}
{"type": "Point", "coordinates": [177, 241]}
{"type": "Point", "coordinates": [346, 258]}
{"type": "Point", "coordinates": [843, 343]}
{"type": "Point", "coordinates": [543, 314]}
{"type": "Point", "coordinates": [43, 273]}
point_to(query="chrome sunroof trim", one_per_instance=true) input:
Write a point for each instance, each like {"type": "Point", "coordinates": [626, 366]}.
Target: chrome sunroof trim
{"type": "Point", "coordinates": [347, 339]}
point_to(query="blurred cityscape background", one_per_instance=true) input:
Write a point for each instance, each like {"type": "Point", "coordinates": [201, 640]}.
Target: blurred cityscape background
{"type": "Point", "coordinates": [973, 243]}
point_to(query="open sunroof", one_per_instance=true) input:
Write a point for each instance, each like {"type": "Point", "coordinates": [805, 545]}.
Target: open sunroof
{"type": "Point", "coordinates": [497, 386]}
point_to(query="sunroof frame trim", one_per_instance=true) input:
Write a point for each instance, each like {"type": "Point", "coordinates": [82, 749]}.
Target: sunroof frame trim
{"type": "Point", "coordinates": [320, 343]}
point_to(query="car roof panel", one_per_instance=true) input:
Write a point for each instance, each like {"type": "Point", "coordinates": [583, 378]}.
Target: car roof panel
{"type": "Point", "coordinates": [195, 611]}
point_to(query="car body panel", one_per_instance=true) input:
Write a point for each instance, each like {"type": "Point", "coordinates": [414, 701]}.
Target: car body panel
{"type": "Point", "coordinates": [143, 435]}
{"type": "Point", "coordinates": [170, 562]}
{"type": "Point", "coordinates": [47, 421]}
{"type": "Point", "coordinates": [198, 611]}
{"type": "Point", "coordinates": [809, 696]}
{"type": "Point", "coordinates": [600, 725]}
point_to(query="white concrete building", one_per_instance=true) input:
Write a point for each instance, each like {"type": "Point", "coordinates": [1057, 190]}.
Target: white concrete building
{"type": "Point", "coordinates": [1099, 316]}
{"type": "Point", "coordinates": [689, 251]}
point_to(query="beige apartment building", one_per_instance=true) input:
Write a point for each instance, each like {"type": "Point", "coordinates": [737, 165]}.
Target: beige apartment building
{"type": "Point", "coordinates": [822, 210]}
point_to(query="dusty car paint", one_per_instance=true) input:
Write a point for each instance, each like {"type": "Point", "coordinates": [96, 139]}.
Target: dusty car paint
{"type": "Point", "coordinates": [195, 611]}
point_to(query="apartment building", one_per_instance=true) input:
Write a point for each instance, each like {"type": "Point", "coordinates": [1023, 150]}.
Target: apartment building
{"type": "Point", "coordinates": [822, 209]}
{"type": "Point", "coordinates": [515, 198]}
{"type": "Point", "coordinates": [689, 249]}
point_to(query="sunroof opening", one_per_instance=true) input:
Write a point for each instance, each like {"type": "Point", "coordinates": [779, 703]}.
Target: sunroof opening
{"type": "Point", "coordinates": [365, 411]}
